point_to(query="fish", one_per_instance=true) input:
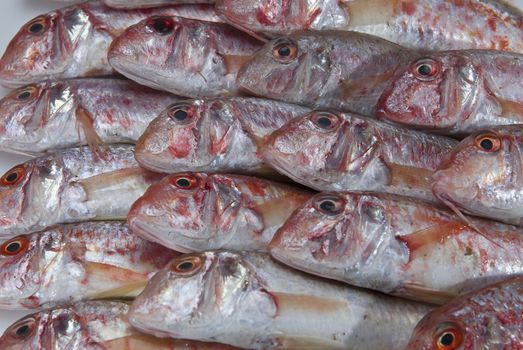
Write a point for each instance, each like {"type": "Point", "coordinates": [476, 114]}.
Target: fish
{"type": "Point", "coordinates": [420, 24]}
{"type": "Point", "coordinates": [133, 4]}
{"type": "Point", "coordinates": [213, 135]}
{"type": "Point", "coordinates": [186, 57]}
{"type": "Point", "coordinates": [245, 299]}
{"type": "Point", "coordinates": [71, 185]}
{"type": "Point", "coordinates": [74, 262]}
{"type": "Point", "coordinates": [91, 325]}
{"type": "Point", "coordinates": [72, 42]}
{"type": "Point", "coordinates": [485, 319]}
{"type": "Point", "coordinates": [456, 92]}
{"type": "Point", "coordinates": [482, 175]}
{"type": "Point", "coordinates": [194, 212]}
{"type": "Point", "coordinates": [41, 118]}
{"type": "Point", "coordinates": [333, 151]}
{"type": "Point", "coordinates": [397, 245]}
{"type": "Point", "coordinates": [346, 71]}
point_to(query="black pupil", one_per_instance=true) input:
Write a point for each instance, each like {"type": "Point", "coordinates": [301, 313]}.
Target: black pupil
{"type": "Point", "coordinates": [186, 265]}
{"type": "Point", "coordinates": [324, 122]}
{"type": "Point", "coordinates": [36, 28]}
{"type": "Point", "coordinates": [447, 339]}
{"type": "Point", "coordinates": [180, 114]}
{"type": "Point", "coordinates": [11, 177]}
{"type": "Point", "coordinates": [486, 144]}
{"type": "Point", "coordinates": [22, 331]}
{"type": "Point", "coordinates": [24, 95]}
{"type": "Point", "coordinates": [162, 26]}
{"type": "Point", "coordinates": [183, 183]}
{"type": "Point", "coordinates": [424, 70]}
{"type": "Point", "coordinates": [284, 51]}
{"type": "Point", "coordinates": [328, 206]}
{"type": "Point", "coordinates": [13, 247]}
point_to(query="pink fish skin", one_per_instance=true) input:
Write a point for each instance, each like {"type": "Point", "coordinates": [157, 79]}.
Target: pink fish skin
{"type": "Point", "coordinates": [194, 212]}
{"type": "Point", "coordinates": [76, 262]}
{"type": "Point", "coordinates": [420, 24]}
{"type": "Point", "coordinates": [456, 92]}
{"type": "Point", "coordinates": [134, 4]}
{"type": "Point", "coordinates": [73, 41]}
{"type": "Point", "coordinates": [397, 246]}
{"type": "Point", "coordinates": [186, 57]}
{"type": "Point", "coordinates": [213, 135]}
{"type": "Point", "coordinates": [334, 151]}
{"type": "Point", "coordinates": [486, 319]}
{"type": "Point", "coordinates": [482, 175]}
{"type": "Point", "coordinates": [41, 118]}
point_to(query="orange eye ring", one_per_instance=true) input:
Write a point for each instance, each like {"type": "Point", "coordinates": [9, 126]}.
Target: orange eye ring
{"type": "Point", "coordinates": [488, 142]}
{"type": "Point", "coordinates": [24, 328]}
{"type": "Point", "coordinates": [426, 69]}
{"type": "Point", "coordinates": [187, 265]}
{"type": "Point", "coordinates": [26, 93]}
{"type": "Point", "coordinates": [14, 246]}
{"type": "Point", "coordinates": [325, 120]}
{"type": "Point", "coordinates": [13, 177]}
{"type": "Point", "coordinates": [448, 339]}
{"type": "Point", "coordinates": [185, 181]}
{"type": "Point", "coordinates": [285, 50]}
{"type": "Point", "coordinates": [37, 26]}
{"type": "Point", "coordinates": [329, 204]}
{"type": "Point", "coordinates": [181, 113]}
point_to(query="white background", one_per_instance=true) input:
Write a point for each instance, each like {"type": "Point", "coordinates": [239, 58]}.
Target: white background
{"type": "Point", "coordinates": [13, 14]}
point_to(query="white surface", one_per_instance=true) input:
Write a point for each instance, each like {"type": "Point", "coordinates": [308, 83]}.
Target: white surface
{"type": "Point", "coordinates": [13, 14]}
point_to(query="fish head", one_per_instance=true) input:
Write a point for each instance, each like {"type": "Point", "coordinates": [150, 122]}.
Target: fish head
{"type": "Point", "coordinates": [201, 295]}
{"type": "Point", "coordinates": [43, 48]}
{"type": "Point", "coordinates": [187, 136]}
{"type": "Point", "coordinates": [481, 172]}
{"type": "Point", "coordinates": [435, 92]}
{"type": "Point", "coordinates": [188, 212]}
{"type": "Point", "coordinates": [294, 69]}
{"type": "Point", "coordinates": [254, 15]}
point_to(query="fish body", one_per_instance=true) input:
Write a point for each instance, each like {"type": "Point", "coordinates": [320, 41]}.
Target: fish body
{"type": "Point", "coordinates": [92, 325]}
{"type": "Point", "coordinates": [456, 92]}
{"type": "Point", "coordinates": [333, 151]}
{"type": "Point", "coordinates": [198, 212]}
{"type": "Point", "coordinates": [76, 262]}
{"type": "Point", "coordinates": [70, 186]}
{"type": "Point", "coordinates": [133, 4]}
{"type": "Point", "coordinates": [248, 300]}
{"type": "Point", "coordinates": [397, 246]}
{"type": "Point", "coordinates": [213, 135]}
{"type": "Point", "coordinates": [186, 57]}
{"type": "Point", "coordinates": [73, 41]}
{"type": "Point", "coordinates": [482, 175]}
{"type": "Point", "coordinates": [486, 319]}
{"type": "Point", "coordinates": [44, 117]}
{"type": "Point", "coordinates": [421, 24]}
{"type": "Point", "coordinates": [343, 70]}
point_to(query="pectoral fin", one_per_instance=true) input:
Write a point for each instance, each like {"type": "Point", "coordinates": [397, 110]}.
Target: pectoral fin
{"type": "Point", "coordinates": [85, 122]}
{"type": "Point", "coordinates": [418, 292]}
{"type": "Point", "coordinates": [116, 282]}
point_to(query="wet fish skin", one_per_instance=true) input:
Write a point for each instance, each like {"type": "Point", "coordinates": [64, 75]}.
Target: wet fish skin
{"type": "Point", "coordinates": [76, 262]}
{"type": "Point", "coordinates": [420, 24]}
{"type": "Point", "coordinates": [73, 41]}
{"type": "Point", "coordinates": [133, 4]}
{"type": "Point", "coordinates": [456, 92]}
{"type": "Point", "coordinates": [397, 246]}
{"type": "Point", "coordinates": [328, 69]}
{"type": "Point", "coordinates": [91, 325]}
{"type": "Point", "coordinates": [486, 319]}
{"type": "Point", "coordinates": [248, 300]}
{"type": "Point", "coordinates": [186, 57]}
{"type": "Point", "coordinates": [482, 175]}
{"type": "Point", "coordinates": [334, 151]}
{"type": "Point", "coordinates": [70, 186]}
{"type": "Point", "coordinates": [43, 117]}
{"type": "Point", "coordinates": [213, 135]}
{"type": "Point", "coordinates": [192, 212]}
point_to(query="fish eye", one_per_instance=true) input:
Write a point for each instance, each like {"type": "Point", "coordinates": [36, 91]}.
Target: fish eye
{"type": "Point", "coordinates": [13, 177]}
{"type": "Point", "coordinates": [325, 120]}
{"type": "Point", "coordinates": [161, 25]}
{"type": "Point", "coordinates": [426, 69]}
{"type": "Point", "coordinates": [37, 26]}
{"type": "Point", "coordinates": [285, 51]}
{"type": "Point", "coordinates": [181, 113]}
{"type": "Point", "coordinates": [448, 339]}
{"type": "Point", "coordinates": [25, 93]}
{"type": "Point", "coordinates": [329, 204]}
{"type": "Point", "coordinates": [185, 182]}
{"type": "Point", "coordinates": [14, 246]}
{"type": "Point", "coordinates": [187, 265]}
{"type": "Point", "coordinates": [24, 328]}
{"type": "Point", "coordinates": [488, 142]}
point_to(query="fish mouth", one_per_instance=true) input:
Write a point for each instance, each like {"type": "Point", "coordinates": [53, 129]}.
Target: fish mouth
{"type": "Point", "coordinates": [127, 67]}
{"type": "Point", "coordinates": [143, 229]}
